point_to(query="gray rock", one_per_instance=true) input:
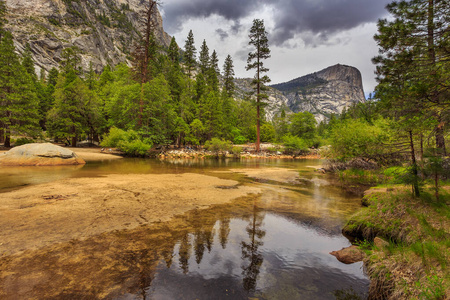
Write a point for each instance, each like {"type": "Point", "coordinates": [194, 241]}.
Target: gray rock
{"type": "Point", "coordinates": [45, 154]}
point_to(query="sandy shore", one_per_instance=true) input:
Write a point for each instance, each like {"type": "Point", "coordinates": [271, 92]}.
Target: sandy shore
{"type": "Point", "coordinates": [78, 208]}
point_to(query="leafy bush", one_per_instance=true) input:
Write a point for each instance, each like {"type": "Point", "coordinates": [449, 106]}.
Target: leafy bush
{"type": "Point", "coordinates": [135, 147]}
{"type": "Point", "coordinates": [218, 146]}
{"type": "Point", "coordinates": [359, 139]}
{"type": "Point", "coordinates": [294, 145]}
{"type": "Point", "coordinates": [239, 140]}
{"type": "Point", "coordinates": [23, 141]}
{"type": "Point", "coordinates": [236, 151]}
{"type": "Point", "coordinates": [127, 141]}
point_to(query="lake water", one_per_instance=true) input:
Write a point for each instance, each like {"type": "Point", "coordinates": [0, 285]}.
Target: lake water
{"type": "Point", "coordinates": [271, 246]}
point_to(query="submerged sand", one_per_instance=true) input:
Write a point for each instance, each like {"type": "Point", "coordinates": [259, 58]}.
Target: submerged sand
{"type": "Point", "coordinates": [78, 208]}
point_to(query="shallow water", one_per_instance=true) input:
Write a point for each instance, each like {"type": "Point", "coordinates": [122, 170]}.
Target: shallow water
{"type": "Point", "coordinates": [271, 246]}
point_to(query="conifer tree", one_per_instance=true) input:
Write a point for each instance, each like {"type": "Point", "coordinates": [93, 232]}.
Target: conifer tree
{"type": "Point", "coordinates": [146, 49]}
{"type": "Point", "coordinates": [228, 76]}
{"type": "Point", "coordinates": [214, 72]}
{"type": "Point", "coordinates": [189, 54]}
{"type": "Point", "coordinates": [3, 20]}
{"type": "Point", "coordinates": [173, 52]}
{"type": "Point", "coordinates": [18, 101]}
{"type": "Point", "coordinates": [258, 39]}
{"type": "Point", "coordinates": [204, 58]}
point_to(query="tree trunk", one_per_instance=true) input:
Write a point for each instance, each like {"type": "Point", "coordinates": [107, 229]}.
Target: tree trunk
{"type": "Point", "coordinates": [415, 181]}
{"type": "Point", "coordinates": [7, 141]}
{"type": "Point", "coordinates": [2, 136]}
{"type": "Point", "coordinates": [440, 140]}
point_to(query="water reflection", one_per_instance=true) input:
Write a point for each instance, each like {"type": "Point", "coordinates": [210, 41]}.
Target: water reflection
{"type": "Point", "coordinates": [251, 255]}
{"type": "Point", "coordinates": [271, 246]}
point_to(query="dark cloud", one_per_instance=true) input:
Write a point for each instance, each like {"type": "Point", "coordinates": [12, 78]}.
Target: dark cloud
{"type": "Point", "coordinates": [177, 11]}
{"type": "Point", "coordinates": [313, 20]}
{"type": "Point", "coordinates": [222, 33]}
{"type": "Point", "coordinates": [320, 19]}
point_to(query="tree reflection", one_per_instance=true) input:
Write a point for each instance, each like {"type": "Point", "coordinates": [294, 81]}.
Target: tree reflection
{"type": "Point", "coordinates": [185, 253]}
{"type": "Point", "coordinates": [250, 252]}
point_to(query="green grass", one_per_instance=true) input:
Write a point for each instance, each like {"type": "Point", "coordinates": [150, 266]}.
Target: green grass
{"type": "Point", "coordinates": [415, 264]}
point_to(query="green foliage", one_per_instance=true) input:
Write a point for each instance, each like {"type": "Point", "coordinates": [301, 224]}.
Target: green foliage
{"type": "Point", "coordinates": [23, 141]}
{"type": "Point", "coordinates": [267, 133]}
{"type": "Point", "coordinates": [294, 145]}
{"type": "Point", "coordinates": [359, 139]}
{"type": "Point", "coordinates": [303, 125]}
{"type": "Point", "coordinates": [18, 100]}
{"type": "Point", "coordinates": [236, 151]}
{"type": "Point", "coordinates": [218, 146]}
{"type": "Point", "coordinates": [127, 141]}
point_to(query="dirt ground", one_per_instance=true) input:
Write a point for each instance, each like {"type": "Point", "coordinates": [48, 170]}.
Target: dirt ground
{"type": "Point", "coordinates": [77, 208]}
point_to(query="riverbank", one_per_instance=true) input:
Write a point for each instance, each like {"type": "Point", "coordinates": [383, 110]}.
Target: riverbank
{"type": "Point", "coordinates": [414, 263]}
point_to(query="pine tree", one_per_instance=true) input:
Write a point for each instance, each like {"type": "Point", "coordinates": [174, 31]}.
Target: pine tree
{"type": "Point", "coordinates": [28, 63]}
{"type": "Point", "coordinates": [228, 76]}
{"type": "Point", "coordinates": [258, 39]}
{"type": "Point", "coordinates": [3, 20]}
{"type": "Point", "coordinates": [411, 68]}
{"type": "Point", "coordinates": [173, 52]}
{"type": "Point", "coordinates": [189, 54]}
{"type": "Point", "coordinates": [18, 101]}
{"type": "Point", "coordinates": [214, 72]}
{"type": "Point", "coordinates": [204, 58]}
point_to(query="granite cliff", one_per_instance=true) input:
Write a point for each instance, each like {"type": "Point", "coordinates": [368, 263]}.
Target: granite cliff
{"type": "Point", "coordinates": [103, 30]}
{"type": "Point", "coordinates": [322, 93]}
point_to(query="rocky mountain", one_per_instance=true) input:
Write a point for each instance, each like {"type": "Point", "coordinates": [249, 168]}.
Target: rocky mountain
{"type": "Point", "coordinates": [103, 30]}
{"type": "Point", "coordinates": [322, 93]}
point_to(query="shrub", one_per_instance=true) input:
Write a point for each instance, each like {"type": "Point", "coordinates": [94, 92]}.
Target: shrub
{"type": "Point", "coordinates": [127, 141]}
{"type": "Point", "coordinates": [239, 140]}
{"type": "Point", "coordinates": [359, 139]}
{"type": "Point", "coordinates": [23, 141]}
{"type": "Point", "coordinates": [294, 145]}
{"type": "Point", "coordinates": [236, 151]}
{"type": "Point", "coordinates": [218, 146]}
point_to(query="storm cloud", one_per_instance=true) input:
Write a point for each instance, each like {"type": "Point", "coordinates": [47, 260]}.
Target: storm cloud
{"type": "Point", "coordinates": [314, 21]}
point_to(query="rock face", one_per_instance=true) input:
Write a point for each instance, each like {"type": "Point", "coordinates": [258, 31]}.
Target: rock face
{"type": "Point", "coordinates": [325, 92]}
{"type": "Point", "coordinates": [103, 30]}
{"type": "Point", "coordinates": [40, 155]}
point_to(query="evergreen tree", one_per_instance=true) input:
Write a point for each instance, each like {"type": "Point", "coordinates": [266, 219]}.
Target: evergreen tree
{"type": "Point", "coordinates": [228, 77]}
{"type": "Point", "coordinates": [204, 58]}
{"type": "Point", "coordinates": [28, 63]}
{"type": "Point", "coordinates": [258, 39]}
{"type": "Point", "coordinates": [411, 68]}
{"type": "Point", "coordinates": [18, 101]}
{"type": "Point", "coordinates": [189, 54]}
{"type": "Point", "coordinates": [173, 52]}
{"type": "Point", "coordinates": [3, 20]}
{"type": "Point", "coordinates": [214, 72]}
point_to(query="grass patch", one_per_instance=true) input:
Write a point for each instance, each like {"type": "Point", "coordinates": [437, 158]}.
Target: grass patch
{"type": "Point", "coordinates": [415, 264]}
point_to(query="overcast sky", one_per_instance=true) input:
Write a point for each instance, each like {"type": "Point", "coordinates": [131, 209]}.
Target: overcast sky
{"type": "Point", "coordinates": [305, 36]}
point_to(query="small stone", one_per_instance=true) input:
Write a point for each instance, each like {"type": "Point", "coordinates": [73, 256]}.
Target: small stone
{"type": "Point", "coordinates": [380, 243]}
{"type": "Point", "coordinates": [349, 255]}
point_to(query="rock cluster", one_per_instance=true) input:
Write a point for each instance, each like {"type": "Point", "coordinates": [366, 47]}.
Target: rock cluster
{"type": "Point", "coordinates": [44, 154]}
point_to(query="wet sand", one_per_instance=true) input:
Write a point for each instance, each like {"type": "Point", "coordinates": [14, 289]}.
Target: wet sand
{"type": "Point", "coordinates": [77, 208]}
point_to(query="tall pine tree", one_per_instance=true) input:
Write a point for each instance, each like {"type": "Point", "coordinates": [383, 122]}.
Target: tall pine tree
{"type": "Point", "coordinates": [258, 39]}
{"type": "Point", "coordinates": [189, 54]}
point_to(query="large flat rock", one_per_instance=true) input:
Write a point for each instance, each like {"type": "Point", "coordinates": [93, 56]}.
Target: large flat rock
{"type": "Point", "coordinates": [44, 154]}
